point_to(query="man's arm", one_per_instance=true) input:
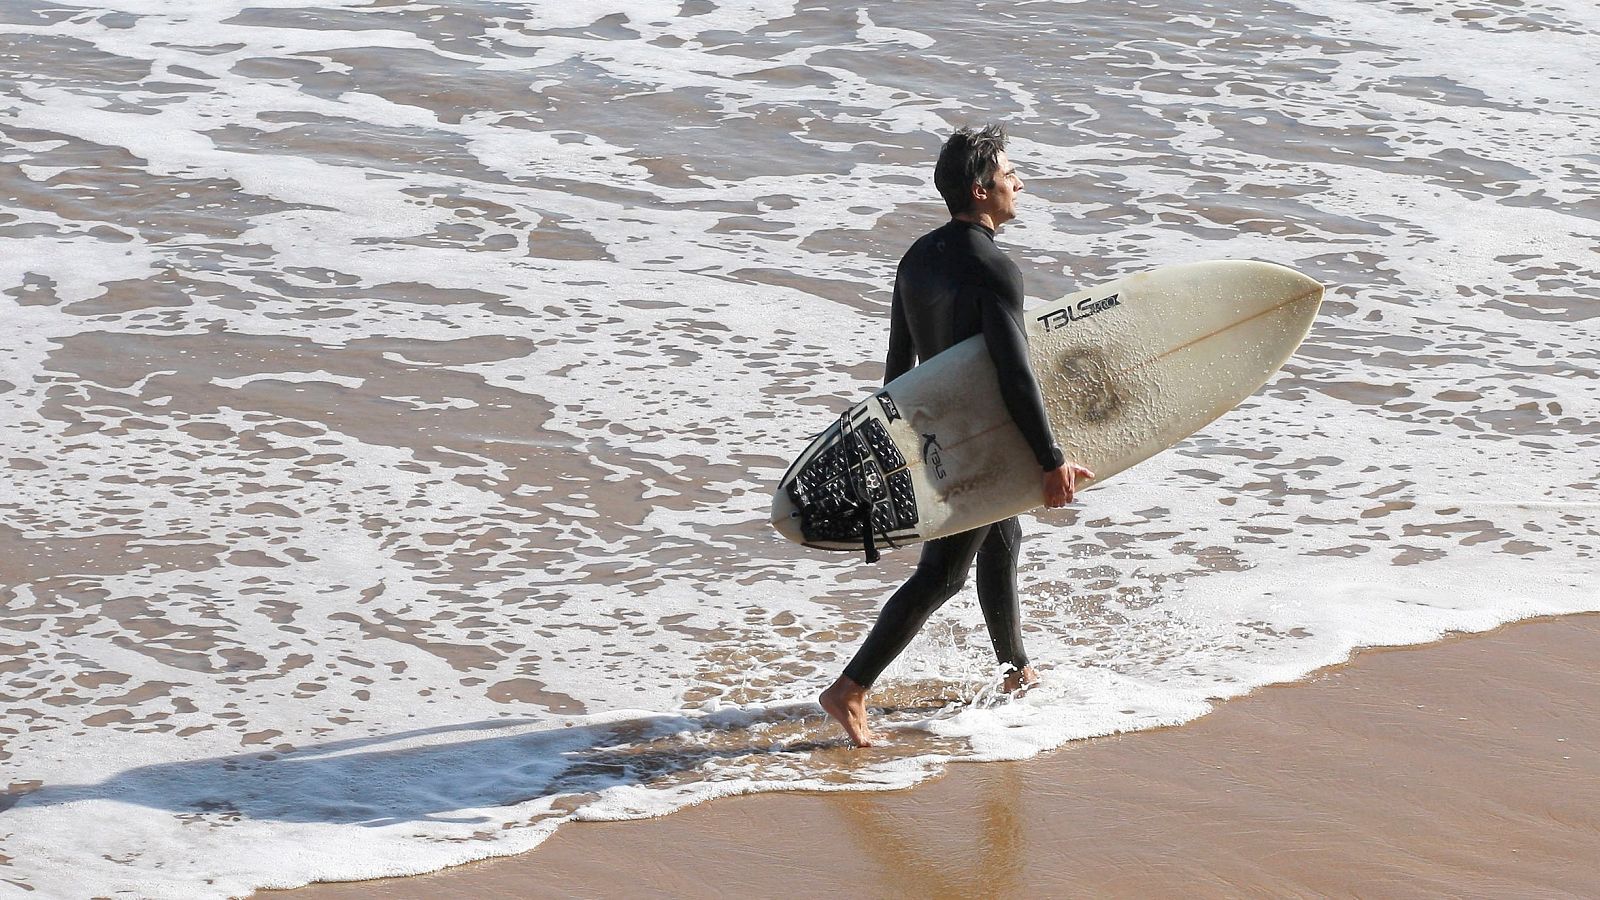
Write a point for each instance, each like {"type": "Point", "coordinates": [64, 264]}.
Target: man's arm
{"type": "Point", "coordinates": [1007, 341]}
{"type": "Point", "coordinates": [901, 352]}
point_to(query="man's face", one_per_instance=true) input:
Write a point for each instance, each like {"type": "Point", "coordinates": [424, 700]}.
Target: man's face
{"type": "Point", "coordinates": [1000, 201]}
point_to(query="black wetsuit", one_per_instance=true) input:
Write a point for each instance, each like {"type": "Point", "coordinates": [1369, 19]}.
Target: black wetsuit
{"type": "Point", "coordinates": [952, 284]}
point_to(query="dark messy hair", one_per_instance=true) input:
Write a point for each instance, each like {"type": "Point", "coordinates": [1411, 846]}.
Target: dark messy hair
{"type": "Point", "coordinates": [968, 158]}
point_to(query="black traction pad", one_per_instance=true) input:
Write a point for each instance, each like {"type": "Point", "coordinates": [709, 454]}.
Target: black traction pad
{"type": "Point", "coordinates": [826, 496]}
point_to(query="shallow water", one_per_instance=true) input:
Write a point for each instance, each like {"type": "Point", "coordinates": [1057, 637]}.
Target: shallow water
{"type": "Point", "coordinates": [393, 393]}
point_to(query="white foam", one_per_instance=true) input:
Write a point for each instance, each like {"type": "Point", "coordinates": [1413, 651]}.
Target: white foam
{"type": "Point", "coordinates": [290, 377]}
{"type": "Point", "coordinates": [349, 648]}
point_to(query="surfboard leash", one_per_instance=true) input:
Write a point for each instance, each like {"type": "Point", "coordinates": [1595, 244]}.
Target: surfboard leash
{"type": "Point", "coordinates": [855, 476]}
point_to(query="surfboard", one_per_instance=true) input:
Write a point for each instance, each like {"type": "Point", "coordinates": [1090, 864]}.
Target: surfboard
{"type": "Point", "coordinates": [1126, 370]}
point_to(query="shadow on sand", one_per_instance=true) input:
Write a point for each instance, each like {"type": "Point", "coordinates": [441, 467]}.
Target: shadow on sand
{"type": "Point", "coordinates": [428, 775]}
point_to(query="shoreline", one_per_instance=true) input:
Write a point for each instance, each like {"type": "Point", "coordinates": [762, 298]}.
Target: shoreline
{"type": "Point", "coordinates": [1467, 766]}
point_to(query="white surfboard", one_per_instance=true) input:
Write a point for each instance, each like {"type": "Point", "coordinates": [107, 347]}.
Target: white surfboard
{"type": "Point", "coordinates": [1126, 370]}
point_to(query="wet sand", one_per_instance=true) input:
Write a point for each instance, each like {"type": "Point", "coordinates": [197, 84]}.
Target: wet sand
{"type": "Point", "coordinates": [1464, 768]}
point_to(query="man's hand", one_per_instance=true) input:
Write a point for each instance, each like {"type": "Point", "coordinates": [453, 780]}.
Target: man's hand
{"type": "Point", "coordinates": [1061, 484]}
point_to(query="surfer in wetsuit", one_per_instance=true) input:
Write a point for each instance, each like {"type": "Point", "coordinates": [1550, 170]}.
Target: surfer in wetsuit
{"type": "Point", "coordinates": [952, 284]}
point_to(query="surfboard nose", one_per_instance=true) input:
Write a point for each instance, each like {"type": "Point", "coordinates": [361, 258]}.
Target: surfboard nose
{"type": "Point", "coordinates": [1282, 281]}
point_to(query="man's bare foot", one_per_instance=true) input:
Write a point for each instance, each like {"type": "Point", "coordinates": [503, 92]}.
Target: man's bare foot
{"type": "Point", "coordinates": [1021, 682]}
{"type": "Point", "coordinates": [846, 701]}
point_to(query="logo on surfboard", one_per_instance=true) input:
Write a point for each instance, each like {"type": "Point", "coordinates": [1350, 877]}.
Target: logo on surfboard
{"type": "Point", "coordinates": [889, 409]}
{"type": "Point", "coordinates": [930, 454]}
{"type": "Point", "coordinates": [1066, 315]}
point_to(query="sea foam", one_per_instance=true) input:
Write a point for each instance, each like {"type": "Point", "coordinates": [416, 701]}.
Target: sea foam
{"type": "Point", "coordinates": [393, 396]}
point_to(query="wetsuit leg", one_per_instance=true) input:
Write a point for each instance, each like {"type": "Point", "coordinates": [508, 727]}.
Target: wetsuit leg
{"type": "Point", "coordinates": [941, 571]}
{"type": "Point", "coordinates": [997, 591]}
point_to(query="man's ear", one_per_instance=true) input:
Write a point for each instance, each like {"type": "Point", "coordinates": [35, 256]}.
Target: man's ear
{"type": "Point", "coordinates": [979, 192]}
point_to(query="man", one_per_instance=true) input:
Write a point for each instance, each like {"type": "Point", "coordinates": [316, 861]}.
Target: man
{"type": "Point", "coordinates": [952, 284]}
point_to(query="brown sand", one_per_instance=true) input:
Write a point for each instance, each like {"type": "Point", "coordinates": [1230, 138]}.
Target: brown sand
{"type": "Point", "coordinates": [1464, 768]}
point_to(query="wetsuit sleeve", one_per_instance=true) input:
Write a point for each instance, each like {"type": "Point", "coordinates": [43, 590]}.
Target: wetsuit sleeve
{"type": "Point", "coordinates": [900, 357]}
{"type": "Point", "coordinates": [1007, 340]}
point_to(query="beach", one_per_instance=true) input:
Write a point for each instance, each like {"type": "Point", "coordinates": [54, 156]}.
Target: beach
{"type": "Point", "coordinates": [1467, 768]}
{"type": "Point", "coordinates": [393, 398]}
